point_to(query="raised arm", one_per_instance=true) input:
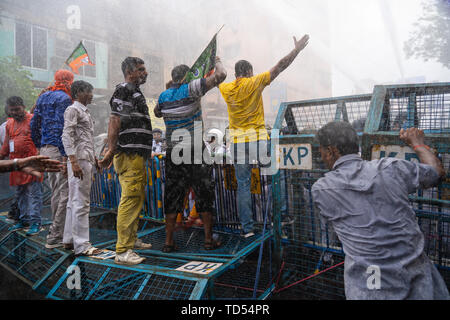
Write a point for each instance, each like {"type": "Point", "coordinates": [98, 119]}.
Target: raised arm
{"type": "Point", "coordinates": [286, 61]}
{"type": "Point", "coordinates": [217, 77]}
{"type": "Point", "coordinates": [414, 138]}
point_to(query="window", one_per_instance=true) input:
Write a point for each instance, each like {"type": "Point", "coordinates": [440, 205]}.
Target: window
{"type": "Point", "coordinates": [31, 45]}
{"type": "Point", "coordinates": [89, 71]}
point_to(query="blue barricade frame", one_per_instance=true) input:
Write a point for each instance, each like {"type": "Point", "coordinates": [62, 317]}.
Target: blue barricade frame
{"type": "Point", "coordinates": [136, 283]}
{"type": "Point", "coordinates": [308, 258]}
{"type": "Point", "coordinates": [323, 279]}
{"type": "Point", "coordinates": [427, 107]}
{"type": "Point", "coordinates": [102, 282]}
{"type": "Point", "coordinates": [29, 260]}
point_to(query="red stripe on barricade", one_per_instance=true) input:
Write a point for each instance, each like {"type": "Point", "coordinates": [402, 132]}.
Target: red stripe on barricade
{"type": "Point", "coordinates": [311, 276]}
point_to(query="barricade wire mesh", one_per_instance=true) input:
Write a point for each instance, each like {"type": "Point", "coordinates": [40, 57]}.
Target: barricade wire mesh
{"type": "Point", "coordinates": [106, 282]}
{"type": "Point", "coordinates": [238, 283]}
{"type": "Point", "coordinates": [4, 226]}
{"type": "Point", "coordinates": [27, 258]}
{"type": "Point", "coordinates": [312, 265]}
{"type": "Point", "coordinates": [106, 194]}
{"type": "Point", "coordinates": [309, 116]}
{"type": "Point", "coordinates": [191, 241]}
{"type": "Point", "coordinates": [309, 246]}
{"type": "Point", "coordinates": [312, 260]}
{"type": "Point", "coordinates": [227, 217]}
{"type": "Point", "coordinates": [426, 107]}
{"type": "Point", "coordinates": [106, 190]}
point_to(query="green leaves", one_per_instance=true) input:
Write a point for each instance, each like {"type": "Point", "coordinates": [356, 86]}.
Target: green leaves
{"type": "Point", "coordinates": [15, 81]}
{"type": "Point", "coordinates": [430, 40]}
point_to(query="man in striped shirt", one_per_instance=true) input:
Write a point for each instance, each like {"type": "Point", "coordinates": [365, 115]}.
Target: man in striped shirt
{"type": "Point", "coordinates": [130, 144]}
{"type": "Point", "coordinates": [180, 107]}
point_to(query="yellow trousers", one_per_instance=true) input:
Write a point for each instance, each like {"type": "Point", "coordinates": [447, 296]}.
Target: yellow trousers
{"type": "Point", "coordinates": [132, 178]}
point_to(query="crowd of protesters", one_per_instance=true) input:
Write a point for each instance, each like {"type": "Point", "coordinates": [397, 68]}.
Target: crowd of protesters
{"type": "Point", "coordinates": [60, 130]}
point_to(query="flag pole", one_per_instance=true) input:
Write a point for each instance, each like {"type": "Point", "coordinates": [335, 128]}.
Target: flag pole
{"type": "Point", "coordinates": [65, 62]}
{"type": "Point", "coordinates": [220, 29]}
{"type": "Point", "coordinates": [215, 35]}
{"type": "Point", "coordinates": [81, 42]}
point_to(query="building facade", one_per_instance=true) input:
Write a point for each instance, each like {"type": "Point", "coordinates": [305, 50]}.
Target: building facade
{"type": "Point", "coordinates": [43, 34]}
{"type": "Point", "coordinates": [165, 33]}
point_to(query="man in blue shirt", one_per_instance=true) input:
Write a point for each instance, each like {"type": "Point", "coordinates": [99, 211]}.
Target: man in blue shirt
{"type": "Point", "coordinates": [181, 109]}
{"type": "Point", "coordinates": [46, 130]}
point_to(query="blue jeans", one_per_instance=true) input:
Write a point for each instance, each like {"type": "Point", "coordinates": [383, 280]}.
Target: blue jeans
{"type": "Point", "coordinates": [244, 197]}
{"type": "Point", "coordinates": [29, 197]}
{"type": "Point", "coordinates": [244, 154]}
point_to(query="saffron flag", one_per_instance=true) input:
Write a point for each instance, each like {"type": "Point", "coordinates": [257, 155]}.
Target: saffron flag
{"type": "Point", "coordinates": [79, 58]}
{"type": "Point", "coordinates": [204, 66]}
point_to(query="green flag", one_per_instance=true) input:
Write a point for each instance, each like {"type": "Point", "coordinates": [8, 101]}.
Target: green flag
{"type": "Point", "coordinates": [205, 64]}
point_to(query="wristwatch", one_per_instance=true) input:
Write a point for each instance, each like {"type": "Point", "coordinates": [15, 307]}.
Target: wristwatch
{"type": "Point", "coordinates": [16, 164]}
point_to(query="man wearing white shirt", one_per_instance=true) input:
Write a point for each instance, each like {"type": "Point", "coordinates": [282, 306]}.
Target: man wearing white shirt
{"type": "Point", "coordinates": [78, 141]}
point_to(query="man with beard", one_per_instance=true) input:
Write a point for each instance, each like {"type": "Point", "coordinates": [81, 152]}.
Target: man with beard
{"type": "Point", "coordinates": [18, 144]}
{"type": "Point", "coordinates": [130, 141]}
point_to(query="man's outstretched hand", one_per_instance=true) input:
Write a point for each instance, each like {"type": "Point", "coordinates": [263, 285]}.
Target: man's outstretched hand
{"type": "Point", "coordinates": [37, 164]}
{"type": "Point", "coordinates": [302, 43]}
{"type": "Point", "coordinates": [287, 60]}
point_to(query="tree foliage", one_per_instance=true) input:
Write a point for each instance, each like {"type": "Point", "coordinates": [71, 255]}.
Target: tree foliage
{"type": "Point", "coordinates": [15, 81]}
{"type": "Point", "coordinates": [431, 37]}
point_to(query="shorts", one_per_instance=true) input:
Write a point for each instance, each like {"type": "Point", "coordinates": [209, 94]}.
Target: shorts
{"type": "Point", "coordinates": [179, 178]}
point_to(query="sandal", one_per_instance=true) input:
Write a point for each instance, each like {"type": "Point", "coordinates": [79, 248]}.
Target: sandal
{"type": "Point", "coordinates": [92, 251]}
{"type": "Point", "coordinates": [169, 248]}
{"type": "Point", "coordinates": [212, 245]}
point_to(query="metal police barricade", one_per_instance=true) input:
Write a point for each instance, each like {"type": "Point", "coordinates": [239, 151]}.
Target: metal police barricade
{"type": "Point", "coordinates": [106, 190]}
{"type": "Point", "coordinates": [154, 204]}
{"type": "Point", "coordinates": [191, 272]}
{"type": "Point", "coordinates": [427, 107]}
{"type": "Point", "coordinates": [227, 217]}
{"type": "Point", "coordinates": [307, 254]}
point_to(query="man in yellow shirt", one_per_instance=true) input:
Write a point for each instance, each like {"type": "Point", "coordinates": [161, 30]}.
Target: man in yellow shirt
{"type": "Point", "coordinates": [247, 126]}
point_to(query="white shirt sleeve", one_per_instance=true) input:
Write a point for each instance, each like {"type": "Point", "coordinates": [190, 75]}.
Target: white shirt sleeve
{"type": "Point", "coordinates": [68, 135]}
